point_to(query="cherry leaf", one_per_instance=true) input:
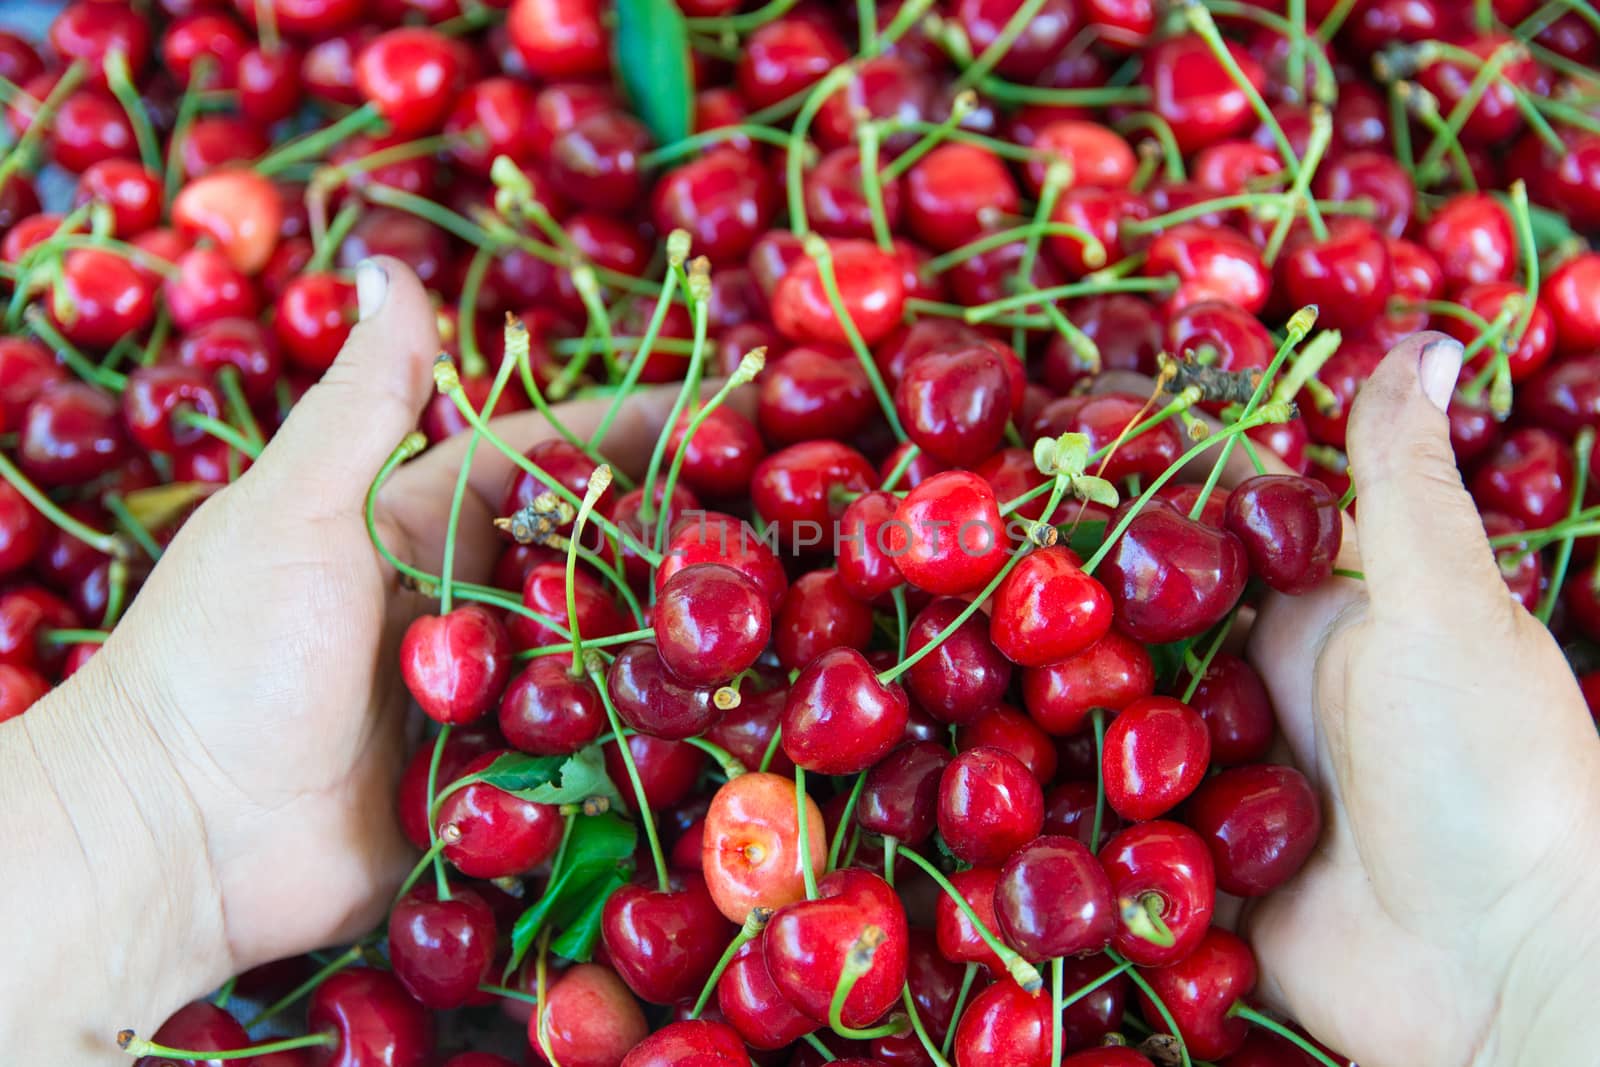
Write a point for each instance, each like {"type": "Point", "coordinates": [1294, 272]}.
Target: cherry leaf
{"type": "Point", "coordinates": [652, 53]}
{"type": "Point", "coordinates": [595, 854]}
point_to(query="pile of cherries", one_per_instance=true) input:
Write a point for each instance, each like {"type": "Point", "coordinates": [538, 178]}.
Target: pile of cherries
{"type": "Point", "coordinates": [889, 716]}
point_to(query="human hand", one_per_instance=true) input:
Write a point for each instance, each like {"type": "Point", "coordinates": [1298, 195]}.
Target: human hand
{"type": "Point", "coordinates": [1439, 921]}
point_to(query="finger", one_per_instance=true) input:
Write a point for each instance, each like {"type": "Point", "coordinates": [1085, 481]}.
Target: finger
{"type": "Point", "coordinates": [1423, 548]}
{"type": "Point", "coordinates": [346, 425]}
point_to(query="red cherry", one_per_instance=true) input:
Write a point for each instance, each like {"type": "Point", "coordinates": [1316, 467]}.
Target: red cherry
{"type": "Point", "coordinates": [588, 1019]}
{"type": "Point", "coordinates": [690, 1043]}
{"type": "Point", "coordinates": [1571, 294]}
{"type": "Point", "coordinates": [1047, 609]}
{"type": "Point", "coordinates": [1347, 275]}
{"type": "Point", "coordinates": [866, 569]}
{"type": "Point", "coordinates": [441, 950]}
{"type": "Point", "coordinates": [1053, 899]}
{"type": "Point", "coordinates": [1211, 263]}
{"type": "Point", "coordinates": [207, 287]}
{"type": "Point", "coordinates": [596, 163]}
{"type": "Point", "coordinates": [1290, 527]}
{"type": "Point", "coordinates": [1111, 674]}
{"type": "Point", "coordinates": [200, 1026]}
{"type": "Point", "coordinates": [238, 343]}
{"type": "Point", "coordinates": [807, 944]}
{"type": "Point", "coordinates": [559, 38]}
{"type": "Point", "coordinates": [1195, 93]}
{"type": "Point", "coordinates": [871, 292]}
{"type": "Point", "coordinates": [547, 711]}
{"type": "Point", "coordinates": [1495, 117]}
{"type": "Point", "coordinates": [1097, 155]}
{"type": "Point", "coordinates": [489, 833]}
{"type": "Point", "coordinates": [71, 433]}
{"type": "Point", "coordinates": [712, 537]}
{"type": "Point", "coordinates": [723, 199]}
{"type": "Point", "coordinates": [891, 87]}
{"type": "Point", "coordinates": [754, 1006]}
{"type": "Point", "coordinates": [958, 938]}
{"type": "Point", "coordinates": [1527, 476]}
{"type": "Point", "coordinates": [90, 31]}
{"type": "Point", "coordinates": [1199, 991]}
{"type": "Point", "coordinates": [1261, 823]}
{"type": "Point", "coordinates": [794, 490]}
{"type": "Point", "coordinates": [785, 57]}
{"type": "Point", "coordinates": [956, 192]}
{"type": "Point", "coordinates": [1044, 36]}
{"type": "Point", "coordinates": [664, 944]}
{"type": "Point", "coordinates": [544, 593]}
{"type": "Point", "coordinates": [374, 1019]}
{"type": "Point", "coordinates": [902, 791]}
{"type": "Point", "coordinates": [750, 853]}
{"type": "Point", "coordinates": [1238, 715]}
{"type": "Point", "coordinates": [1162, 870]}
{"type": "Point", "coordinates": [811, 392]}
{"type": "Point", "coordinates": [132, 192]}
{"type": "Point", "coordinates": [653, 700]}
{"type": "Point", "coordinates": [20, 689]}
{"type": "Point", "coordinates": [965, 677]}
{"type": "Point", "coordinates": [155, 395]}
{"type": "Point", "coordinates": [101, 297]}
{"type": "Point", "coordinates": [668, 770]}
{"type": "Point", "coordinates": [456, 665]}
{"type": "Point", "coordinates": [269, 83]}
{"type": "Point", "coordinates": [1004, 1027]}
{"type": "Point", "coordinates": [314, 316]}
{"type": "Point", "coordinates": [1069, 810]}
{"type": "Point", "coordinates": [1488, 300]}
{"type": "Point", "coordinates": [818, 614]}
{"type": "Point", "coordinates": [1010, 730]}
{"type": "Point", "coordinates": [1156, 752]}
{"type": "Point", "coordinates": [955, 403]}
{"type": "Point", "coordinates": [989, 806]}
{"type": "Point", "coordinates": [1472, 238]}
{"type": "Point", "coordinates": [839, 718]}
{"type": "Point", "coordinates": [411, 797]}
{"type": "Point", "coordinates": [836, 204]}
{"type": "Point", "coordinates": [711, 623]}
{"type": "Point", "coordinates": [411, 76]}
{"type": "Point", "coordinates": [214, 36]}
{"type": "Point", "coordinates": [1564, 397]}
{"type": "Point", "coordinates": [1171, 577]}
{"type": "Point", "coordinates": [947, 535]}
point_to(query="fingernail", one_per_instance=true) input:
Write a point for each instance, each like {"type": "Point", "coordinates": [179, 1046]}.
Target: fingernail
{"type": "Point", "coordinates": [1440, 366]}
{"type": "Point", "coordinates": [372, 286]}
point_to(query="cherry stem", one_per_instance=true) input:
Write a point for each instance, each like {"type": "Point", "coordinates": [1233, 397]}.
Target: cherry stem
{"type": "Point", "coordinates": [742, 23]}
{"type": "Point", "coordinates": [135, 1046]}
{"type": "Point", "coordinates": [818, 250]}
{"type": "Point", "coordinates": [697, 287]}
{"type": "Point", "coordinates": [231, 384]}
{"type": "Point", "coordinates": [188, 107]}
{"type": "Point", "coordinates": [772, 748]}
{"type": "Point", "coordinates": [1325, 87]}
{"type": "Point", "coordinates": [932, 135]}
{"type": "Point", "coordinates": [427, 860]}
{"type": "Point", "coordinates": [903, 464]}
{"type": "Point", "coordinates": [754, 923]}
{"type": "Point", "coordinates": [76, 361]}
{"type": "Point", "coordinates": [1582, 450]}
{"type": "Point", "coordinates": [119, 79]}
{"type": "Point", "coordinates": [891, 849]}
{"type": "Point", "coordinates": [750, 365]}
{"type": "Point", "coordinates": [872, 183]}
{"type": "Point", "coordinates": [1161, 1007]}
{"type": "Point", "coordinates": [1241, 1010]}
{"type": "Point", "coordinates": [1090, 986]}
{"type": "Point", "coordinates": [1523, 218]}
{"type": "Point", "coordinates": [1304, 365]}
{"type": "Point", "coordinates": [612, 641]}
{"type": "Point", "coordinates": [599, 482]}
{"type": "Point", "coordinates": [821, 1050]}
{"type": "Point", "coordinates": [435, 842]}
{"type": "Point", "coordinates": [803, 831]}
{"type": "Point", "coordinates": [677, 250]}
{"type": "Point", "coordinates": [41, 119]}
{"type": "Point", "coordinates": [697, 143]}
{"type": "Point", "coordinates": [857, 962]}
{"type": "Point", "coordinates": [75, 637]}
{"type": "Point", "coordinates": [917, 1027]}
{"type": "Point", "coordinates": [1317, 143]}
{"type": "Point", "coordinates": [845, 821]}
{"type": "Point", "coordinates": [1204, 664]}
{"type": "Point", "coordinates": [1094, 253]}
{"type": "Point", "coordinates": [347, 958]}
{"type": "Point", "coordinates": [967, 980]}
{"type": "Point", "coordinates": [625, 750]}
{"type": "Point", "coordinates": [1098, 720]}
{"type": "Point", "coordinates": [898, 595]}
{"type": "Point", "coordinates": [727, 761]}
{"type": "Point", "coordinates": [794, 161]}
{"type": "Point", "coordinates": [316, 144]}
{"type": "Point", "coordinates": [1488, 73]}
{"type": "Point", "coordinates": [1020, 970]}
{"type": "Point", "coordinates": [105, 543]}
{"type": "Point", "coordinates": [1093, 285]}
{"type": "Point", "coordinates": [997, 48]}
{"type": "Point", "coordinates": [1058, 175]}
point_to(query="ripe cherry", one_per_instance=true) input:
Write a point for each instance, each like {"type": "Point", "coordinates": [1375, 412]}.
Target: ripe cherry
{"type": "Point", "coordinates": [559, 38]}
{"type": "Point", "coordinates": [818, 614]}
{"type": "Point", "coordinates": [456, 665]}
{"type": "Point", "coordinates": [989, 805]}
{"type": "Point", "coordinates": [1199, 991]}
{"type": "Point", "coordinates": [690, 1043]}
{"type": "Point", "coordinates": [374, 1019]}
{"type": "Point", "coordinates": [1004, 1027]}
{"type": "Point", "coordinates": [724, 200]}
{"type": "Point", "coordinates": [839, 718]}
{"type": "Point", "coordinates": [441, 950]}
{"type": "Point", "coordinates": [411, 76]}
{"type": "Point", "coordinates": [652, 699]}
{"type": "Point", "coordinates": [814, 392]}
{"type": "Point", "coordinates": [955, 403]}
{"type": "Point", "coordinates": [808, 944]}
{"type": "Point", "coordinates": [1053, 899]}
{"type": "Point", "coordinates": [411, 796]}
{"type": "Point", "coordinates": [1347, 275]}
{"type": "Point", "coordinates": [1111, 673]}
{"type": "Point", "coordinates": [546, 711]}
{"type": "Point", "coordinates": [1261, 823]}
{"type": "Point", "coordinates": [597, 163]}
{"type": "Point", "coordinates": [866, 568]}
{"type": "Point", "coordinates": [314, 316]}
{"type": "Point", "coordinates": [1527, 476]}
{"type": "Point", "coordinates": [1171, 577]}
{"type": "Point", "coordinates": [965, 676]}
{"type": "Point", "coordinates": [1472, 238]}
{"type": "Point", "coordinates": [714, 537]}
{"type": "Point", "coordinates": [100, 298]}
{"type": "Point", "coordinates": [200, 1026]}
{"type": "Point", "coordinates": [1195, 93]}
{"type": "Point", "coordinates": [711, 623]}
{"type": "Point", "coordinates": [239, 343]}
{"type": "Point", "coordinates": [957, 192]}
{"type": "Point", "coordinates": [71, 433]}
{"type": "Point", "coordinates": [871, 292]}
{"type": "Point", "coordinates": [1165, 885]}
{"type": "Point", "coordinates": [1290, 527]}
{"type": "Point", "coordinates": [784, 57]}
{"type": "Point", "coordinates": [544, 593]}
{"type": "Point", "coordinates": [1210, 263]}
{"type": "Point", "coordinates": [207, 287]}
{"type": "Point", "coordinates": [668, 770]}
{"type": "Point", "coordinates": [1237, 712]}
{"type": "Point", "coordinates": [1156, 752]}
{"type": "Point", "coordinates": [20, 689]}
{"type": "Point", "coordinates": [751, 855]}
{"type": "Point", "coordinates": [1011, 731]}
{"type": "Point", "coordinates": [489, 833]}
{"type": "Point", "coordinates": [1571, 294]}
{"type": "Point", "coordinates": [797, 490]}
{"type": "Point", "coordinates": [664, 944]}
{"type": "Point", "coordinates": [754, 1006]}
{"type": "Point", "coordinates": [947, 535]}
{"type": "Point", "coordinates": [1488, 300]}
{"type": "Point", "coordinates": [901, 793]}
{"type": "Point", "coordinates": [1046, 609]}
{"type": "Point", "coordinates": [588, 1019]}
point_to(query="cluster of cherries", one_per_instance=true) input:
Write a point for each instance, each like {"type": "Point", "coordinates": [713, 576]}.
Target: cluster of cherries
{"type": "Point", "coordinates": [906, 662]}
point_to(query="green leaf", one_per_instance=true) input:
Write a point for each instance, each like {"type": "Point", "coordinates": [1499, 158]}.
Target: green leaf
{"type": "Point", "coordinates": [1086, 539]}
{"type": "Point", "coordinates": [1168, 659]}
{"type": "Point", "coordinates": [652, 45]}
{"type": "Point", "coordinates": [594, 853]}
{"type": "Point", "coordinates": [552, 779]}
{"type": "Point", "coordinates": [583, 930]}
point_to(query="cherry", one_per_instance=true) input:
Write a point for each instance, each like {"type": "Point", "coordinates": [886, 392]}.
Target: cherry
{"type": "Point", "coordinates": [1069, 810]}
{"type": "Point", "coordinates": [901, 792]}
{"type": "Point", "coordinates": [546, 711]}
{"type": "Point", "coordinates": [1527, 476]}
{"type": "Point", "coordinates": [690, 1043]}
{"type": "Point", "coordinates": [1564, 397]}
{"type": "Point", "coordinates": [664, 944]}
{"type": "Point", "coordinates": [889, 87]}
{"type": "Point", "coordinates": [200, 1026]}
{"type": "Point", "coordinates": [207, 287]}
{"type": "Point", "coordinates": [1053, 899]}
{"type": "Point", "coordinates": [100, 298]}
{"type": "Point", "coordinates": [965, 676]}
{"type": "Point", "coordinates": [441, 950]}
{"type": "Point", "coordinates": [713, 537]}
{"type": "Point", "coordinates": [1101, 212]}
{"type": "Point", "coordinates": [1571, 297]}
{"type": "Point", "coordinates": [989, 805]}
{"type": "Point", "coordinates": [955, 403]}
{"type": "Point", "coordinates": [866, 568]}
{"type": "Point", "coordinates": [711, 623]}
{"type": "Point", "coordinates": [1228, 168]}
{"type": "Point", "coordinates": [544, 593]}
{"type": "Point", "coordinates": [1195, 94]}
{"type": "Point", "coordinates": [1537, 343]}
{"type": "Point", "coordinates": [795, 490]}
{"type": "Point", "coordinates": [814, 392]}
{"type": "Point", "coordinates": [411, 796]}
{"type": "Point", "coordinates": [19, 62]}
{"type": "Point", "coordinates": [1112, 673]}
{"type": "Point", "coordinates": [724, 200]}
{"type": "Point", "coordinates": [411, 77]}
{"type": "Point", "coordinates": [456, 665]}
{"type": "Point", "coordinates": [155, 395]}
{"type": "Point", "coordinates": [668, 770]}
{"type": "Point", "coordinates": [784, 57]}
{"type": "Point", "coordinates": [1109, 1056]}
{"type": "Point", "coordinates": [1260, 822]}
{"type": "Point", "coordinates": [751, 854]}
{"type": "Point", "coordinates": [20, 689]}
{"type": "Point", "coordinates": [1290, 527]}
{"type": "Point", "coordinates": [1046, 609]}
{"type": "Point", "coordinates": [71, 433]}
{"type": "Point", "coordinates": [808, 944]}
{"type": "Point", "coordinates": [269, 83]}
{"type": "Point", "coordinates": [1156, 752]}
{"type": "Point", "coordinates": [871, 289]}
{"type": "Point", "coordinates": [489, 833]}
{"type": "Point", "coordinates": [238, 209]}
{"type": "Point", "coordinates": [1160, 871]}
{"type": "Point", "coordinates": [207, 34]}
{"type": "Point", "coordinates": [588, 1019]}
{"type": "Point", "coordinates": [1010, 730]}
{"type": "Point", "coordinates": [1097, 155]}
{"type": "Point", "coordinates": [373, 1018]}
{"type": "Point", "coordinates": [559, 38]}
{"type": "Point", "coordinates": [946, 536]}
{"type": "Point", "coordinates": [956, 192]}
{"type": "Point", "coordinates": [22, 531]}
{"type": "Point", "coordinates": [132, 192]}
{"type": "Point", "coordinates": [754, 1006]}
{"type": "Point", "coordinates": [746, 731]}
{"type": "Point", "coordinates": [1347, 275]}
{"type": "Point", "coordinates": [415, 242]}
{"type": "Point", "coordinates": [818, 614]}
{"type": "Point", "coordinates": [651, 699]}
{"type": "Point", "coordinates": [1210, 263]}
{"type": "Point", "coordinates": [90, 31]}
{"type": "Point", "coordinates": [1472, 237]}
{"type": "Point", "coordinates": [836, 204]}
{"type": "Point", "coordinates": [1200, 990]}
{"type": "Point", "coordinates": [1238, 715]}
{"type": "Point", "coordinates": [1171, 577]}
{"type": "Point", "coordinates": [839, 718]}
{"type": "Point", "coordinates": [18, 200]}
{"type": "Point", "coordinates": [935, 984]}
{"type": "Point", "coordinates": [239, 343]}
{"type": "Point", "coordinates": [562, 462]}
{"type": "Point", "coordinates": [597, 162]}
{"type": "Point", "coordinates": [1004, 1027]}
{"type": "Point", "coordinates": [314, 315]}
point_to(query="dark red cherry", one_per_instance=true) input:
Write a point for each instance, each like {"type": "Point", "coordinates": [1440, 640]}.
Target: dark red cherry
{"type": "Point", "coordinates": [664, 944]}
{"type": "Point", "coordinates": [1261, 823]}
{"type": "Point", "coordinates": [1053, 899]}
{"type": "Point", "coordinates": [1010, 730]}
{"type": "Point", "coordinates": [753, 1005]}
{"type": "Point", "coordinates": [206, 287]}
{"type": "Point", "coordinates": [269, 83]}
{"type": "Point", "coordinates": [490, 833]}
{"type": "Point", "coordinates": [1200, 990]}
{"type": "Point", "coordinates": [955, 403]}
{"type": "Point", "coordinates": [839, 718]}
{"type": "Point", "coordinates": [1047, 609]}
{"type": "Point", "coordinates": [957, 192]}
{"type": "Point", "coordinates": [866, 567]}
{"type": "Point", "coordinates": [1104, 418]}
{"type": "Point", "coordinates": [947, 535]}
{"type": "Point", "coordinates": [837, 205]}
{"type": "Point", "coordinates": [71, 433]}
{"type": "Point", "coordinates": [690, 1043]}
{"type": "Point", "coordinates": [797, 490]}
{"type": "Point", "coordinates": [901, 793]}
{"type": "Point", "coordinates": [1210, 263]}
{"type": "Point", "coordinates": [596, 163]}
{"type": "Point", "coordinates": [375, 1020]}
{"type": "Point", "coordinates": [562, 462]}
{"type": "Point", "coordinates": [239, 343]}
{"type": "Point", "coordinates": [1069, 811]}
{"type": "Point", "coordinates": [724, 200]}
{"type": "Point", "coordinates": [989, 806]}
{"type": "Point", "coordinates": [965, 677]}
{"type": "Point", "coordinates": [314, 316]}
{"type": "Point", "coordinates": [456, 665]}
{"type": "Point", "coordinates": [711, 623]}
{"type": "Point", "coordinates": [153, 399]}
{"type": "Point", "coordinates": [1527, 476]}
{"type": "Point", "coordinates": [746, 731]}
{"type": "Point", "coordinates": [1347, 275]}
{"type": "Point", "coordinates": [814, 392]}
{"type": "Point", "coordinates": [1171, 577]}
{"type": "Point", "coordinates": [1004, 1027]}
{"type": "Point", "coordinates": [1290, 527]}
{"type": "Point", "coordinates": [1195, 93]}
{"type": "Point", "coordinates": [441, 950]}
{"type": "Point", "coordinates": [544, 595]}
{"type": "Point", "coordinates": [22, 531]}
{"type": "Point", "coordinates": [201, 1026]}
{"type": "Point", "coordinates": [1112, 673]}
{"type": "Point", "coordinates": [546, 711]}
{"type": "Point", "coordinates": [1472, 237]}
{"type": "Point", "coordinates": [668, 770]}
{"type": "Point", "coordinates": [1156, 752]}
{"type": "Point", "coordinates": [818, 613]}
{"type": "Point", "coordinates": [1488, 300]}
{"type": "Point", "coordinates": [653, 700]}
{"type": "Point", "coordinates": [890, 87]}
{"type": "Point", "coordinates": [807, 944]}
{"type": "Point", "coordinates": [784, 57]}
{"type": "Point", "coordinates": [1237, 712]}
{"type": "Point", "coordinates": [411, 797]}
{"type": "Point", "coordinates": [1160, 871]}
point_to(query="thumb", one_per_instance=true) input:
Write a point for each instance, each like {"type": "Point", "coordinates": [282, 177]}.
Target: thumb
{"type": "Point", "coordinates": [346, 425]}
{"type": "Point", "coordinates": [1423, 549]}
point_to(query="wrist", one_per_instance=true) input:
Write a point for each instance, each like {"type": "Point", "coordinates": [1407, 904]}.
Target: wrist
{"type": "Point", "coordinates": [123, 923]}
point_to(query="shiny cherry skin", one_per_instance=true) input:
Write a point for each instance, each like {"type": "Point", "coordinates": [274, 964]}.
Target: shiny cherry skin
{"type": "Point", "coordinates": [132, 192]}
{"type": "Point", "coordinates": [1200, 989]}
{"type": "Point", "coordinates": [1527, 476]}
{"type": "Point", "coordinates": [1237, 712]}
{"type": "Point", "coordinates": [375, 1020]}
{"type": "Point", "coordinates": [544, 592]}
{"type": "Point", "coordinates": [71, 433]}
{"type": "Point", "coordinates": [238, 209]}
{"type": "Point", "coordinates": [410, 76]}
{"type": "Point", "coordinates": [807, 943]}
{"type": "Point", "coordinates": [562, 462]}
{"type": "Point", "coordinates": [956, 192]}
{"type": "Point", "coordinates": [901, 794]}
{"type": "Point", "coordinates": [818, 614]}
{"type": "Point", "coordinates": [20, 689]}
{"type": "Point", "coordinates": [1171, 577]}
{"type": "Point", "coordinates": [746, 731]}
{"type": "Point", "coordinates": [1069, 811]}
{"type": "Point", "coordinates": [155, 395]}
{"type": "Point", "coordinates": [464, 745]}
{"type": "Point", "coordinates": [796, 489]}
{"type": "Point", "coordinates": [1164, 869]}
{"type": "Point", "coordinates": [784, 57]}
{"type": "Point", "coordinates": [596, 164]}
{"type": "Point", "coordinates": [751, 854]}
{"type": "Point", "coordinates": [1104, 418]}
{"type": "Point", "coordinates": [314, 316]}
{"type": "Point", "coordinates": [207, 287]}
{"type": "Point", "coordinates": [866, 568]}
{"type": "Point", "coordinates": [22, 531]}
{"type": "Point", "coordinates": [1112, 673]}
{"type": "Point", "coordinates": [754, 1006]}
{"type": "Point", "coordinates": [1488, 300]}
{"type": "Point", "coordinates": [714, 537]}
{"type": "Point", "coordinates": [1211, 263]}
{"type": "Point", "coordinates": [935, 984]}
{"type": "Point", "coordinates": [1046, 609]}
{"type": "Point", "coordinates": [1261, 822]}
{"type": "Point", "coordinates": [668, 770]}
{"type": "Point", "coordinates": [589, 1019]}
{"type": "Point", "coordinates": [711, 623]}
{"type": "Point", "coordinates": [1342, 374]}
{"type": "Point", "coordinates": [652, 699]}
{"type": "Point", "coordinates": [102, 298]}
{"type": "Point", "coordinates": [839, 718]}
{"type": "Point", "coordinates": [201, 1026]}
{"type": "Point", "coordinates": [1348, 275]}
{"type": "Point", "coordinates": [835, 202]}
{"type": "Point", "coordinates": [664, 944]}
{"type": "Point", "coordinates": [441, 950]}
{"type": "Point", "coordinates": [1564, 397]}
{"type": "Point", "coordinates": [1010, 730]}
{"type": "Point", "coordinates": [690, 1043]}
{"type": "Point", "coordinates": [1053, 899]}
{"type": "Point", "coordinates": [491, 834]}
{"type": "Point", "coordinates": [947, 536]}
{"type": "Point", "coordinates": [955, 404]}
{"type": "Point", "coordinates": [989, 805]}
{"type": "Point", "coordinates": [957, 936]}
{"type": "Point", "coordinates": [1472, 237]}
{"type": "Point", "coordinates": [1194, 92]}
{"type": "Point", "coordinates": [724, 200]}
{"type": "Point", "coordinates": [456, 665]}
{"type": "Point", "coordinates": [1290, 527]}
{"type": "Point", "coordinates": [1572, 296]}
{"type": "Point", "coordinates": [1222, 333]}
{"type": "Point", "coordinates": [720, 459]}
{"type": "Point", "coordinates": [269, 82]}
{"type": "Point", "coordinates": [1004, 1027]}
{"type": "Point", "coordinates": [559, 39]}
{"type": "Point", "coordinates": [547, 711]}
{"type": "Point", "coordinates": [814, 392]}
{"type": "Point", "coordinates": [1043, 37]}
{"type": "Point", "coordinates": [871, 292]}
{"type": "Point", "coordinates": [965, 676]}
{"type": "Point", "coordinates": [1156, 751]}
{"type": "Point", "coordinates": [238, 343]}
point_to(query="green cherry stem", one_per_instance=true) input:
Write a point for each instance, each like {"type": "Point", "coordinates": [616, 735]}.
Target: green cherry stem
{"type": "Point", "coordinates": [932, 135]}
{"type": "Point", "coordinates": [108, 544]}
{"type": "Point", "coordinates": [1161, 1007]}
{"type": "Point", "coordinates": [697, 287]}
{"type": "Point", "coordinates": [967, 980]}
{"type": "Point", "coordinates": [754, 923]}
{"type": "Point", "coordinates": [1487, 74]}
{"type": "Point", "coordinates": [435, 848]}
{"type": "Point", "coordinates": [1300, 191]}
{"type": "Point", "coordinates": [750, 365]}
{"type": "Point", "coordinates": [822, 255]}
{"type": "Point", "coordinates": [845, 819]}
{"type": "Point", "coordinates": [917, 1027]}
{"type": "Point", "coordinates": [1093, 285]}
{"type": "Point", "coordinates": [1057, 977]}
{"type": "Point", "coordinates": [1094, 253]}
{"type": "Point", "coordinates": [348, 958]}
{"type": "Point", "coordinates": [599, 482]}
{"type": "Point", "coordinates": [803, 832]}
{"type": "Point", "coordinates": [997, 49]}
{"type": "Point", "coordinates": [1098, 718]}
{"type": "Point", "coordinates": [120, 81]}
{"type": "Point", "coordinates": [857, 962]}
{"type": "Point", "coordinates": [138, 1047]}
{"type": "Point", "coordinates": [1241, 1010]}
{"type": "Point", "coordinates": [40, 122]}
{"type": "Point", "coordinates": [316, 144]}
{"type": "Point", "coordinates": [593, 665]}
{"type": "Point", "coordinates": [188, 109]}
{"type": "Point", "coordinates": [1020, 970]}
{"type": "Point", "coordinates": [1582, 450]}
{"type": "Point", "coordinates": [677, 253]}
{"type": "Point", "coordinates": [772, 749]}
{"type": "Point", "coordinates": [872, 184]}
{"type": "Point", "coordinates": [794, 160]}
{"type": "Point", "coordinates": [130, 523]}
